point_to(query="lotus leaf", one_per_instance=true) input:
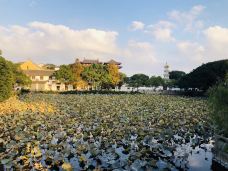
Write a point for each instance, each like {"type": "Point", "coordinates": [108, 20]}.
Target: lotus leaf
{"type": "Point", "coordinates": [92, 132]}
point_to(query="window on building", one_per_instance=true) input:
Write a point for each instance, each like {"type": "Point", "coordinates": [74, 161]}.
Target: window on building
{"type": "Point", "coordinates": [41, 78]}
{"type": "Point", "coordinates": [33, 77]}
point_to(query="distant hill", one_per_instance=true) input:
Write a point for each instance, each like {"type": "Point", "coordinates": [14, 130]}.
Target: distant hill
{"type": "Point", "coordinates": [205, 76]}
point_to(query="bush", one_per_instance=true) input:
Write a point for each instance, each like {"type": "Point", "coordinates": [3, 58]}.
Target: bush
{"type": "Point", "coordinates": [6, 80]}
{"type": "Point", "coordinates": [218, 102]}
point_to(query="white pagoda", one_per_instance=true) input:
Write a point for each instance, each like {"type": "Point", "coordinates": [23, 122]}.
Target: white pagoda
{"type": "Point", "coordinates": [166, 71]}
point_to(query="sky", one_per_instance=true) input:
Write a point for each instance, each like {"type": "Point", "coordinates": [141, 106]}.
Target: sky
{"type": "Point", "coordinates": [141, 34]}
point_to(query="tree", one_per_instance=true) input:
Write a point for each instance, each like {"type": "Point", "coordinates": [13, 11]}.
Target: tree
{"type": "Point", "coordinates": [92, 75]}
{"type": "Point", "coordinates": [19, 77]}
{"type": "Point", "coordinates": [123, 78]}
{"type": "Point", "coordinates": [6, 80]}
{"type": "Point", "coordinates": [77, 69]}
{"type": "Point", "coordinates": [155, 81]}
{"type": "Point", "coordinates": [205, 76]}
{"type": "Point", "coordinates": [138, 80]}
{"type": "Point", "coordinates": [114, 74]}
{"type": "Point", "coordinates": [176, 75]}
{"type": "Point", "coordinates": [218, 103]}
{"type": "Point", "coordinates": [64, 73]}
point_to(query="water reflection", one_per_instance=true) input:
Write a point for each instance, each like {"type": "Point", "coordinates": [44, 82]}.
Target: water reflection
{"type": "Point", "coordinates": [200, 159]}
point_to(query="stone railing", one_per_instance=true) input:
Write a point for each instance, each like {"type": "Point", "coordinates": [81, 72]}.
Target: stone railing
{"type": "Point", "coordinates": [220, 150]}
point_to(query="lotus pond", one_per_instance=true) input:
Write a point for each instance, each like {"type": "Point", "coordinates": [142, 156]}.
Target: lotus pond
{"type": "Point", "coordinates": [106, 132]}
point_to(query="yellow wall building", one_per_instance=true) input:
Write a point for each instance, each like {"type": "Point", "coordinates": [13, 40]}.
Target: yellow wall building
{"type": "Point", "coordinates": [42, 79]}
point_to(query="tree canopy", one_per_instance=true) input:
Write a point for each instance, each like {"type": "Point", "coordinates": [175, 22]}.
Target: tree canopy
{"type": "Point", "coordinates": [19, 77]}
{"type": "Point", "coordinates": [6, 79]}
{"type": "Point", "coordinates": [176, 75]}
{"type": "Point", "coordinates": [64, 73]}
{"type": "Point", "coordinates": [114, 74]}
{"type": "Point", "coordinates": [205, 76]}
{"type": "Point", "coordinates": [138, 80]}
{"type": "Point", "coordinates": [218, 102]}
{"type": "Point", "coordinates": [155, 81]}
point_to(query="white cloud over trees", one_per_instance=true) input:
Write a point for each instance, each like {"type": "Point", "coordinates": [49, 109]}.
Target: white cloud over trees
{"type": "Point", "coordinates": [44, 40]}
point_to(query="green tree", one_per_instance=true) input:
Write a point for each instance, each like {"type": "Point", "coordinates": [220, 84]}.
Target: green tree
{"type": "Point", "coordinates": [97, 76]}
{"type": "Point", "coordinates": [92, 75]}
{"type": "Point", "coordinates": [155, 81]}
{"type": "Point", "coordinates": [6, 80]}
{"type": "Point", "coordinates": [19, 77]}
{"type": "Point", "coordinates": [64, 73]}
{"type": "Point", "coordinates": [176, 75]}
{"type": "Point", "coordinates": [138, 80]}
{"type": "Point", "coordinates": [218, 102]}
{"type": "Point", "coordinates": [205, 76]}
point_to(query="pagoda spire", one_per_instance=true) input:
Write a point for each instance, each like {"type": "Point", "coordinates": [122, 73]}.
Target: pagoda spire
{"type": "Point", "coordinates": [166, 71]}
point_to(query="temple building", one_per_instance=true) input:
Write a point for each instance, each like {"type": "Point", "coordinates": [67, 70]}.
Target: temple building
{"type": "Point", "coordinates": [42, 75]}
{"type": "Point", "coordinates": [42, 79]}
{"type": "Point", "coordinates": [166, 71]}
{"type": "Point", "coordinates": [113, 62]}
{"type": "Point", "coordinates": [88, 62]}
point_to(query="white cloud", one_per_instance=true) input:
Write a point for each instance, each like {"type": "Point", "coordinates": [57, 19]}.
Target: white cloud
{"type": "Point", "coordinates": [56, 43]}
{"type": "Point", "coordinates": [144, 51]}
{"type": "Point", "coordinates": [217, 38]}
{"type": "Point", "coordinates": [137, 25]}
{"type": "Point", "coordinates": [216, 42]}
{"type": "Point", "coordinates": [191, 51]}
{"type": "Point", "coordinates": [189, 19]}
{"type": "Point", "coordinates": [140, 57]}
{"type": "Point", "coordinates": [162, 31]}
{"type": "Point", "coordinates": [212, 48]}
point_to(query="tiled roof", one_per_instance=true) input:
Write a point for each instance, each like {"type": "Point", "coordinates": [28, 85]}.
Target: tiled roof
{"type": "Point", "coordinates": [38, 72]}
{"type": "Point", "coordinates": [113, 62]}
{"type": "Point", "coordinates": [90, 61]}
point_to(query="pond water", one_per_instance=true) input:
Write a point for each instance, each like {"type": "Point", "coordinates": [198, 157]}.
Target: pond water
{"type": "Point", "coordinates": [200, 160]}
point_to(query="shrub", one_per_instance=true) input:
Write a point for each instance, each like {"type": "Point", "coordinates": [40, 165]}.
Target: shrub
{"type": "Point", "coordinates": [218, 102]}
{"type": "Point", "coordinates": [6, 80]}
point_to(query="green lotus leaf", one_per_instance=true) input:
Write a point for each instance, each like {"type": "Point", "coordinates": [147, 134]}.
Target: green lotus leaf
{"type": "Point", "coordinates": [5, 161]}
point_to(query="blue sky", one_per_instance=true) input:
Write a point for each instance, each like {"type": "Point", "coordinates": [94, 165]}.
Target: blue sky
{"type": "Point", "coordinates": [142, 34]}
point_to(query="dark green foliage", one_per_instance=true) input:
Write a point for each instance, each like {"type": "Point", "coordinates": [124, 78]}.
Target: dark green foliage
{"type": "Point", "coordinates": [96, 75]}
{"type": "Point", "coordinates": [176, 75]}
{"type": "Point", "coordinates": [19, 77]}
{"type": "Point", "coordinates": [6, 80]}
{"type": "Point", "coordinates": [65, 73]}
{"type": "Point", "coordinates": [138, 80]}
{"type": "Point", "coordinates": [205, 76]}
{"type": "Point", "coordinates": [174, 78]}
{"type": "Point", "coordinates": [218, 102]}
